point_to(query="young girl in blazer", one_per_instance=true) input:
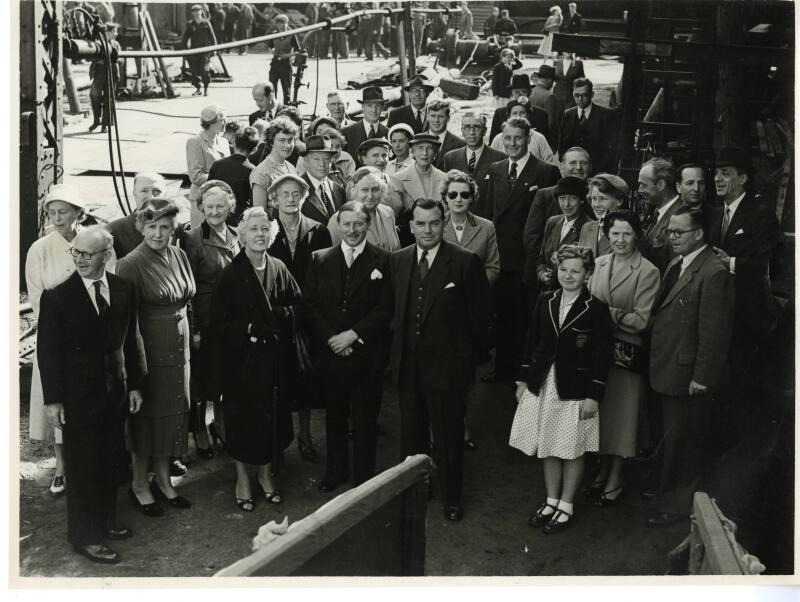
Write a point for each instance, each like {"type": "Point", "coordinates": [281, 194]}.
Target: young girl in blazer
{"type": "Point", "coordinates": [556, 418]}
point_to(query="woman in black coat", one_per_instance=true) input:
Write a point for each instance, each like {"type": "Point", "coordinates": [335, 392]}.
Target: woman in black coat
{"type": "Point", "coordinates": [556, 419]}
{"type": "Point", "coordinates": [253, 313]}
{"type": "Point", "coordinates": [297, 239]}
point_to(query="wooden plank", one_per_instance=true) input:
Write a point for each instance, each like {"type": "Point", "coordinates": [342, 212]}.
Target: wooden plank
{"type": "Point", "coordinates": [288, 553]}
{"type": "Point", "coordinates": [718, 552]}
{"type": "Point", "coordinates": [413, 540]}
{"type": "Point", "coordinates": [762, 137]}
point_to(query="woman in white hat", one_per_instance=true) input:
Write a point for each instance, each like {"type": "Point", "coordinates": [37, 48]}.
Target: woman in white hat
{"type": "Point", "coordinates": [47, 265]}
{"type": "Point", "coordinates": [201, 151]}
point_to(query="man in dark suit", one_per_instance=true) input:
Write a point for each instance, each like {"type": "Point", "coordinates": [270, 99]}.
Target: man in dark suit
{"type": "Point", "coordinates": [521, 87]}
{"type": "Point", "coordinates": [349, 299]}
{"type": "Point", "coordinates": [438, 118]}
{"type": "Point", "coordinates": [574, 21]}
{"type": "Point", "coordinates": [590, 126]}
{"type": "Point", "coordinates": [368, 127]}
{"type": "Point", "coordinates": [441, 314]}
{"type": "Point", "coordinates": [324, 195]}
{"type": "Point", "coordinates": [235, 171]}
{"type": "Point", "coordinates": [657, 187]}
{"type": "Point", "coordinates": [146, 185]}
{"type": "Point", "coordinates": [509, 194]}
{"type": "Point", "coordinates": [744, 232]}
{"type": "Point", "coordinates": [476, 157]}
{"type": "Point", "coordinates": [576, 163]}
{"type": "Point", "coordinates": [413, 114]}
{"type": "Point", "coordinates": [90, 355]}
{"type": "Point", "coordinates": [268, 106]}
{"type": "Point", "coordinates": [690, 333]}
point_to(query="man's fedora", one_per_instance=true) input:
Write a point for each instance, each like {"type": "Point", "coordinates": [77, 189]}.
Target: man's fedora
{"type": "Point", "coordinates": [546, 71]}
{"type": "Point", "coordinates": [318, 144]}
{"type": "Point", "coordinates": [420, 82]}
{"type": "Point", "coordinates": [521, 81]}
{"type": "Point", "coordinates": [372, 94]}
{"type": "Point", "coordinates": [731, 156]}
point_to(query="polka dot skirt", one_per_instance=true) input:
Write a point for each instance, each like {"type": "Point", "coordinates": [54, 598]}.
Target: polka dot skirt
{"type": "Point", "coordinates": [547, 426]}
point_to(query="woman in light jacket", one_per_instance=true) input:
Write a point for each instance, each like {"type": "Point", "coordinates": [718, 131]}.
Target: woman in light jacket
{"type": "Point", "coordinates": [201, 152]}
{"type": "Point", "coordinates": [627, 283]}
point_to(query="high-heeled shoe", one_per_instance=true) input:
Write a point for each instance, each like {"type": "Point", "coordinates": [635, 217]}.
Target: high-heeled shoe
{"type": "Point", "coordinates": [247, 505]}
{"type": "Point", "coordinates": [151, 509]}
{"type": "Point", "coordinates": [204, 452]}
{"type": "Point", "coordinates": [604, 501]}
{"type": "Point", "coordinates": [175, 502]}
{"type": "Point", "coordinates": [216, 440]}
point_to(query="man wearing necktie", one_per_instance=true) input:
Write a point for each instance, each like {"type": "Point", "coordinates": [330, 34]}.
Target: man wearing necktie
{"type": "Point", "coordinates": [413, 113]}
{"type": "Point", "coordinates": [370, 126]}
{"type": "Point", "coordinates": [348, 296]}
{"type": "Point", "coordinates": [92, 363]}
{"type": "Point", "coordinates": [441, 315]}
{"type": "Point", "coordinates": [744, 233]}
{"type": "Point", "coordinates": [691, 324]}
{"type": "Point", "coordinates": [589, 126]}
{"type": "Point", "coordinates": [325, 196]}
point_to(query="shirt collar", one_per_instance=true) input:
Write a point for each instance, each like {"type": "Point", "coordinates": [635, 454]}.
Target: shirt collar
{"type": "Point", "coordinates": [735, 204]}
{"type": "Point", "coordinates": [89, 282]}
{"type": "Point", "coordinates": [521, 163]}
{"type": "Point", "coordinates": [357, 250]}
{"type": "Point", "coordinates": [587, 111]}
{"type": "Point", "coordinates": [478, 153]}
{"type": "Point", "coordinates": [368, 125]}
{"type": "Point", "coordinates": [315, 182]}
{"type": "Point", "coordinates": [431, 253]}
{"type": "Point", "coordinates": [662, 210]}
{"type": "Point", "coordinates": [687, 260]}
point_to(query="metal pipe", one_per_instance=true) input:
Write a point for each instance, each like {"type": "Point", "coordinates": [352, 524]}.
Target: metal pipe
{"type": "Point", "coordinates": [273, 36]}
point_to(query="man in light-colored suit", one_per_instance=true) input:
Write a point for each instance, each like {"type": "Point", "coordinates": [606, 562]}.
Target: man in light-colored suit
{"type": "Point", "coordinates": [475, 158]}
{"type": "Point", "coordinates": [691, 325]}
{"type": "Point", "coordinates": [657, 186]}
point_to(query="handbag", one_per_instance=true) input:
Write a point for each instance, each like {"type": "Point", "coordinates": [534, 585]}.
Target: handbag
{"type": "Point", "coordinates": [629, 356]}
{"type": "Point", "coordinates": [302, 348]}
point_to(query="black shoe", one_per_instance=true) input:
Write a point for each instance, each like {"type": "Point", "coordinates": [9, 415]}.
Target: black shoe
{"type": "Point", "coordinates": [663, 519]}
{"type": "Point", "coordinates": [604, 501]}
{"type": "Point", "coordinates": [175, 502]}
{"type": "Point", "coordinates": [554, 526]}
{"type": "Point", "coordinates": [307, 450]}
{"type": "Point", "coordinates": [327, 485]}
{"type": "Point", "coordinates": [151, 509]}
{"type": "Point", "coordinates": [177, 468]}
{"type": "Point", "coordinates": [197, 92]}
{"type": "Point", "coordinates": [205, 91]}
{"type": "Point", "coordinates": [98, 553]}
{"type": "Point", "coordinates": [216, 439]}
{"type": "Point", "coordinates": [453, 513]}
{"type": "Point", "coordinates": [204, 452]}
{"type": "Point", "coordinates": [94, 126]}
{"type": "Point", "coordinates": [539, 519]}
{"type": "Point", "coordinates": [103, 130]}
{"type": "Point", "coordinates": [649, 493]}
{"type": "Point", "coordinates": [594, 490]}
{"type": "Point", "coordinates": [119, 533]}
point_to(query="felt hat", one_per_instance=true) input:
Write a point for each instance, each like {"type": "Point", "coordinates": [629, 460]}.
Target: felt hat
{"type": "Point", "coordinates": [425, 137]}
{"type": "Point", "coordinates": [571, 185]}
{"type": "Point", "coordinates": [731, 156]}
{"type": "Point", "coordinates": [155, 209]}
{"type": "Point", "coordinates": [546, 71]}
{"type": "Point", "coordinates": [521, 81]}
{"type": "Point", "coordinates": [619, 185]}
{"type": "Point", "coordinates": [372, 143]}
{"type": "Point", "coordinates": [419, 81]}
{"type": "Point", "coordinates": [285, 178]}
{"type": "Point", "coordinates": [318, 144]}
{"type": "Point", "coordinates": [372, 94]}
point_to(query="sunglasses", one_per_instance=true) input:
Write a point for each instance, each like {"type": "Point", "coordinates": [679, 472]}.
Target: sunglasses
{"type": "Point", "coordinates": [465, 194]}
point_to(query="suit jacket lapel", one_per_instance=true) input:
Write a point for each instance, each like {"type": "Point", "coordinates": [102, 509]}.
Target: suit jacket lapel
{"type": "Point", "coordinates": [81, 292]}
{"type": "Point", "coordinates": [436, 277]}
{"type": "Point", "coordinates": [470, 230]}
{"type": "Point", "coordinates": [552, 306]}
{"type": "Point", "coordinates": [739, 218]}
{"type": "Point", "coordinates": [580, 307]}
{"type": "Point", "coordinates": [316, 201]}
{"type": "Point", "coordinates": [625, 271]}
{"type": "Point", "coordinates": [687, 276]}
{"type": "Point", "coordinates": [404, 283]}
{"type": "Point", "coordinates": [334, 268]}
{"type": "Point", "coordinates": [362, 267]}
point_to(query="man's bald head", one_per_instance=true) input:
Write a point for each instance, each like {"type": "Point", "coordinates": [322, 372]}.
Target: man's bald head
{"type": "Point", "coordinates": [147, 185]}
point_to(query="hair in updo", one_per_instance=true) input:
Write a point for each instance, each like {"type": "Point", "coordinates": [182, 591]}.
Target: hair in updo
{"type": "Point", "coordinates": [565, 252]}
{"type": "Point", "coordinates": [249, 214]}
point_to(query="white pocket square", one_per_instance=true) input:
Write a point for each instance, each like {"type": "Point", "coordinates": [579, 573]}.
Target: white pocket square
{"type": "Point", "coordinates": [375, 275]}
{"type": "Point", "coordinates": [738, 232]}
{"type": "Point", "coordinates": [533, 188]}
{"type": "Point", "coordinates": [450, 285]}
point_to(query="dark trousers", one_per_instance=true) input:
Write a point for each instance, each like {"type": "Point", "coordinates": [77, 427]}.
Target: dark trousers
{"type": "Point", "coordinates": [99, 99]}
{"type": "Point", "coordinates": [280, 70]}
{"type": "Point", "coordinates": [685, 457]}
{"type": "Point", "coordinates": [94, 450]}
{"type": "Point", "coordinates": [243, 33]}
{"type": "Point", "coordinates": [357, 395]}
{"type": "Point", "coordinates": [340, 45]}
{"type": "Point", "coordinates": [199, 67]}
{"type": "Point", "coordinates": [511, 310]}
{"type": "Point", "coordinates": [323, 43]}
{"type": "Point", "coordinates": [439, 412]}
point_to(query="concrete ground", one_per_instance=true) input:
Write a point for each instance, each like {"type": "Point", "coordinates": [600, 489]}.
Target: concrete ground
{"type": "Point", "coordinates": [501, 485]}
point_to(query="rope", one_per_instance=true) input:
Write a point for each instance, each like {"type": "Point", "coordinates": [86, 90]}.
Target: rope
{"type": "Point", "coordinates": [276, 36]}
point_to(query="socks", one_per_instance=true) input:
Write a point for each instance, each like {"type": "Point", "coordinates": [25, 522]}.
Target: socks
{"type": "Point", "coordinates": [566, 507]}
{"type": "Point", "coordinates": [547, 510]}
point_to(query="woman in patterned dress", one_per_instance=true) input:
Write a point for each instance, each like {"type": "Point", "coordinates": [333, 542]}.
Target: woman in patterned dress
{"type": "Point", "coordinates": [281, 137]}
{"type": "Point", "coordinates": [556, 418]}
{"type": "Point", "coordinates": [161, 274]}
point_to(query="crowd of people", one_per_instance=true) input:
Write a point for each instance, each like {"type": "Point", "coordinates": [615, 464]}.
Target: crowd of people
{"type": "Point", "coordinates": [319, 257]}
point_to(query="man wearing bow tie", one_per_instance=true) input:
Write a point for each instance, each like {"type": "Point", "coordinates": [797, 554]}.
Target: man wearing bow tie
{"type": "Point", "coordinates": [92, 363]}
{"type": "Point", "coordinates": [349, 301]}
{"type": "Point", "coordinates": [441, 315]}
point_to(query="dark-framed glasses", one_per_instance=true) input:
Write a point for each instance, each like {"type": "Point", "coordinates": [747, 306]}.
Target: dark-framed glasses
{"type": "Point", "coordinates": [677, 233]}
{"type": "Point", "coordinates": [464, 194]}
{"type": "Point", "coordinates": [86, 256]}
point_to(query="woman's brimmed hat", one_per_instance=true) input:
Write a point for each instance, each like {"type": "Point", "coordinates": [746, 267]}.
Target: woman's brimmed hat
{"type": "Point", "coordinates": [285, 178]}
{"type": "Point", "coordinates": [425, 137]}
{"type": "Point", "coordinates": [571, 185]}
{"type": "Point", "coordinates": [372, 143]}
{"type": "Point", "coordinates": [154, 209]}
{"type": "Point", "coordinates": [66, 193]}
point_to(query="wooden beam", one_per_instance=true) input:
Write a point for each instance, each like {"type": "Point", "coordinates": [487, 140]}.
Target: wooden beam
{"type": "Point", "coordinates": [718, 552]}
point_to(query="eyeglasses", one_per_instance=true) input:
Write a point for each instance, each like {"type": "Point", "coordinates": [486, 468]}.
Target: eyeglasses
{"type": "Point", "coordinates": [464, 194]}
{"type": "Point", "coordinates": [83, 254]}
{"type": "Point", "coordinates": [285, 194]}
{"type": "Point", "coordinates": [677, 233]}
{"type": "Point", "coordinates": [471, 127]}
{"type": "Point", "coordinates": [418, 91]}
